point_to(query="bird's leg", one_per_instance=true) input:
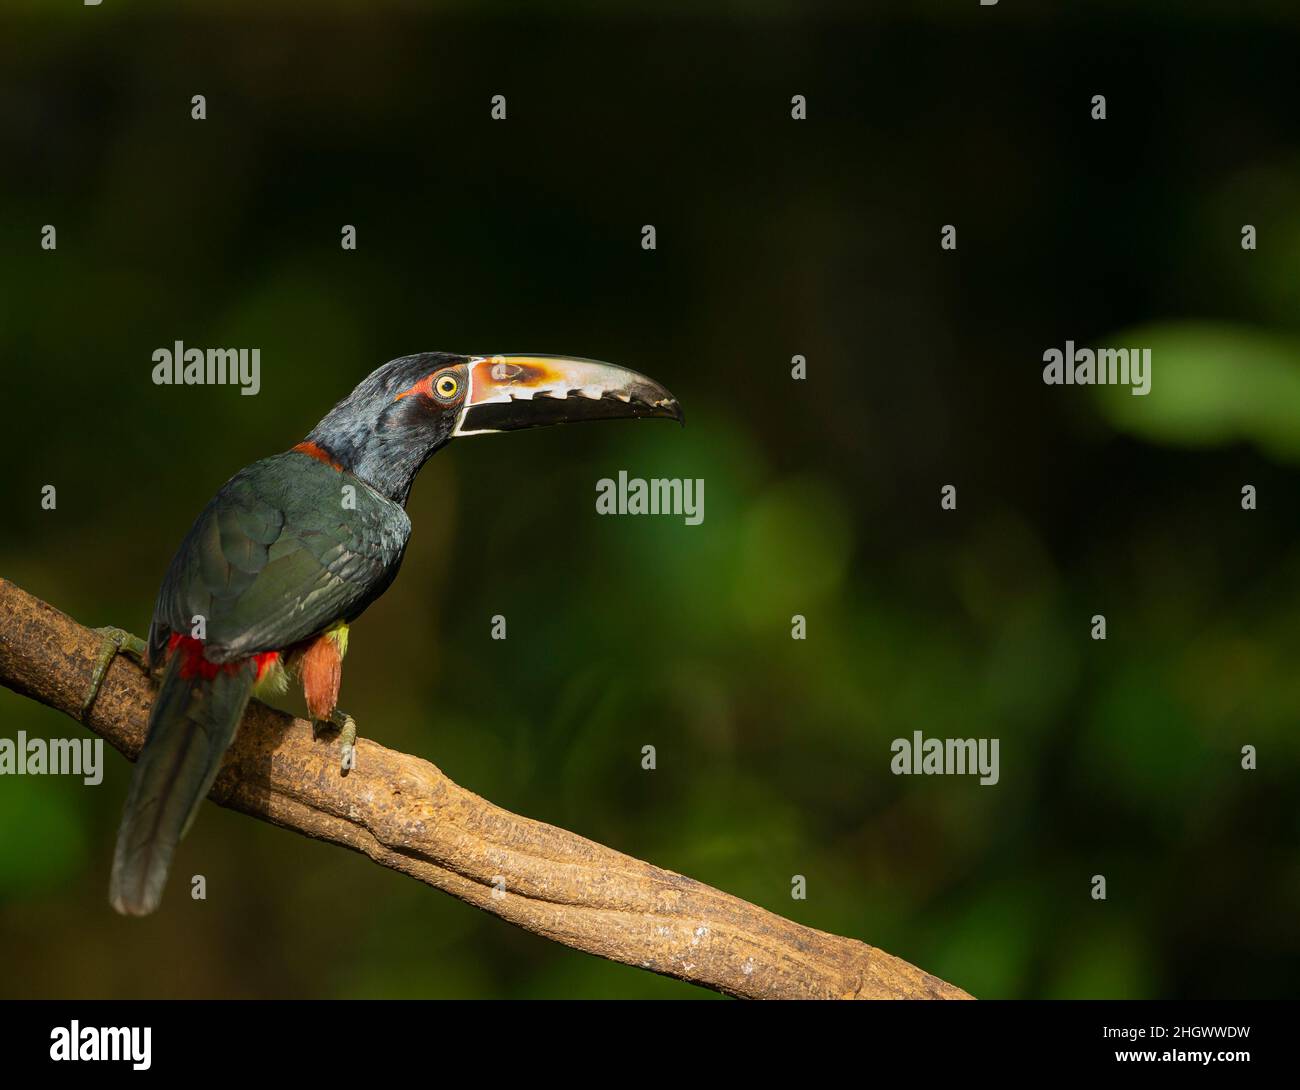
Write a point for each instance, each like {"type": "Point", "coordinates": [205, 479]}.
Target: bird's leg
{"type": "Point", "coordinates": [117, 641]}
{"type": "Point", "coordinates": [347, 728]}
{"type": "Point", "coordinates": [321, 671]}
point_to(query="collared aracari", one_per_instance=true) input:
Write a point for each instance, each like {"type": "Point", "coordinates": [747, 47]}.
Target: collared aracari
{"type": "Point", "coordinates": [295, 547]}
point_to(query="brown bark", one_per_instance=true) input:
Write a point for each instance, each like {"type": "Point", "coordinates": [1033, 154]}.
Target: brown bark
{"type": "Point", "coordinates": [405, 814]}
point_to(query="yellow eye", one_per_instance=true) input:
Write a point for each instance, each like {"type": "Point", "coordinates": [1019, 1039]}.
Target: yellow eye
{"type": "Point", "coordinates": [446, 387]}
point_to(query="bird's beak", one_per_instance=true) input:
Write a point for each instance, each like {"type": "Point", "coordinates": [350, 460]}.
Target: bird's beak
{"type": "Point", "coordinates": [510, 392]}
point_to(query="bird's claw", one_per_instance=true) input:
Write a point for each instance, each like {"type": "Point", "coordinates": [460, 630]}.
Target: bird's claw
{"type": "Point", "coordinates": [347, 729]}
{"type": "Point", "coordinates": [117, 641]}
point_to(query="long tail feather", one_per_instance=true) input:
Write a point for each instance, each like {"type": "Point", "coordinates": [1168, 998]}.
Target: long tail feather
{"type": "Point", "coordinates": [191, 725]}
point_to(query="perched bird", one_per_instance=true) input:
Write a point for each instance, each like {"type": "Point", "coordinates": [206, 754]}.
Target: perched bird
{"type": "Point", "coordinates": [295, 547]}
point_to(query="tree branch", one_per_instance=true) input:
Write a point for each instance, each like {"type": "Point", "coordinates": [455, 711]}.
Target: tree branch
{"type": "Point", "coordinates": [405, 814]}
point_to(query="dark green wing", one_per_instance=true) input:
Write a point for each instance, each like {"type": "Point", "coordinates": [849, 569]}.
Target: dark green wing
{"type": "Point", "coordinates": [281, 553]}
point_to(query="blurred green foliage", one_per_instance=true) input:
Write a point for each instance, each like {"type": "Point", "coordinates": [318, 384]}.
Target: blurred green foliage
{"type": "Point", "coordinates": [775, 238]}
{"type": "Point", "coordinates": [1219, 384]}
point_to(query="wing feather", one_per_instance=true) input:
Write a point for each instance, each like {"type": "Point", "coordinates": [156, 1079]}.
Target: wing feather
{"type": "Point", "coordinates": [277, 557]}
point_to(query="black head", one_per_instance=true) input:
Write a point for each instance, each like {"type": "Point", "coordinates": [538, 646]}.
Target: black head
{"type": "Point", "coordinates": [406, 410]}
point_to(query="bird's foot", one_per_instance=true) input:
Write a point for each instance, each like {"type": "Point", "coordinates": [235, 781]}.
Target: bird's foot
{"type": "Point", "coordinates": [347, 728]}
{"type": "Point", "coordinates": [117, 641]}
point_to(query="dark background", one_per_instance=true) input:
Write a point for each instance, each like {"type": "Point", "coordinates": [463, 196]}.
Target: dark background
{"type": "Point", "coordinates": [775, 237]}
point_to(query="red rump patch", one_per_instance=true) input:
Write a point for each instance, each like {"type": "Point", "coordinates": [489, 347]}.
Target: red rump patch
{"type": "Point", "coordinates": [195, 664]}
